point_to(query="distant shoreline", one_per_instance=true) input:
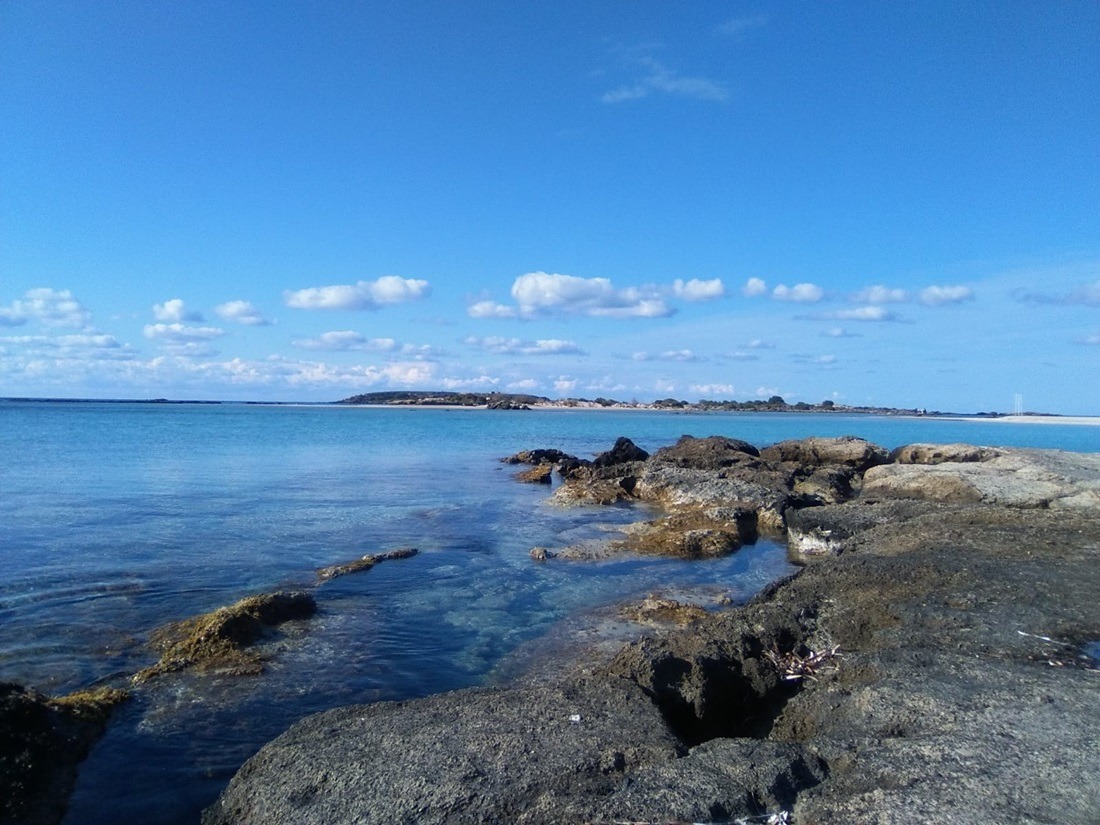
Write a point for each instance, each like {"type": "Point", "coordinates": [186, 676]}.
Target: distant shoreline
{"type": "Point", "coordinates": [501, 401]}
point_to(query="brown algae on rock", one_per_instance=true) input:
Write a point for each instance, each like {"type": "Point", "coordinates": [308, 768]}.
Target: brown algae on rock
{"type": "Point", "coordinates": [220, 640]}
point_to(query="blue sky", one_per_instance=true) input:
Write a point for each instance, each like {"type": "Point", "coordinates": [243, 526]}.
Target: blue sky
{"type": "Point", "coordinates": [894, 204]}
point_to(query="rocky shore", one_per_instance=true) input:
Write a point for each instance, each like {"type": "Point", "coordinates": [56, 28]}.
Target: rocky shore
{"type": "Point", "coordinates": [932, 662]}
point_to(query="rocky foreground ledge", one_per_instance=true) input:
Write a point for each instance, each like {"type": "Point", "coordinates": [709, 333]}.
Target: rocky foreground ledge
{"type": "Point", "coordinates": [935, 664]}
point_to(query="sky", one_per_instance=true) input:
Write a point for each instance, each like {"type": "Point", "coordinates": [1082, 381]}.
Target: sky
{"type": "Point", "coordinates": [889, 204]}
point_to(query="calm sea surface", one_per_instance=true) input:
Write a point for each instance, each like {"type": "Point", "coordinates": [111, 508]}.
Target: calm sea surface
{"type": "Point", "coordinates": [117, 518]}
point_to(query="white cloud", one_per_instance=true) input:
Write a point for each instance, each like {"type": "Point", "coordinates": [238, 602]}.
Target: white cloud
{"type": "Point", "coordinates": [939, 295]}
{"type": "Point", "coordinates": [173, 311]}
{"type": "Point", "coordinates": [867, 313]}
{"type": "Point", "coordinates": [799, 293]}
{"type": "Point", "coordinates": [524, 385]}
{"type": "Point", "coordinates": [50, 307]}
{"type": "Point", "coordinates": [757, 343]}
{"type": "Point", "coordinates": [564, 384]}
{"type": "Point", "coordinates": [389, 289]}
{"type": "Point", "coordinates": [539, 293]}
{"type": "Point", "coordinates": [681, 355]}
{"type": "Point", "coordinates": [84, 346]}
{"type": "Point", "coordinates": [712, 389]}
{"type": "Point", "coordinates": [881, 295]}
{"type": "Point", "coordinates": [825, 359]}
{"type": "Point", "coordinates": [479, 382]}
{"type": "Point", "coordinates": [242, 312]}
{"type": "Point", "coordinates": [754, 287]}
{"type": "Point", "coordinates": [697, 290]}
{"type": "Point", "coordinates": [350, 341]}
{"type": "Point", "coordinates": [768, 392]}
{"type": "Point", "coordinates": [490, 309]}
{"type": "Point", "coordinates": [659, 78]}
{"type": "Point", "coordinates": [178, 333]}
{"type": "Point", "coordinates": [737, 26]}
{"type": "Point", "coordinates": [515, 346]}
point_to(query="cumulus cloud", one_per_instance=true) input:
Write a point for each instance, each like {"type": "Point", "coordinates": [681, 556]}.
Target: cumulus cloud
{"type": "Point", "coordinates": [881, 295]}
{"type": "Point", "coordinates": [565, 384]}
{"type": "Point", "coordinates": [524, 385]}
{"type": "Point", "coordinates": [490, 309]}
{"type": "Point", "coordinates": [389, 289]}
{"type": "Point", "coordinates": [242, 312]}
{"type": "Point", "coordinates": [754, 287]}
{"type": "Point", "coordinates": [173, 311]}
{"type": "Point", "coordinates": [697, 290]}
{"type": "Point", "coordinates": [657, 78]}
{"type": "Point", "coordinates": [515, 346]}
{"type": "Point", "coordinates": [541, 293]}
{"type": "Point", "coordinates": [478, 382]}
{"type": "Point", "coordinates": [799, 293]}
{"type": "Point", "coordinates": [839, 332]}
{"type": "Point", "coordinates": [757, 343]}
{"type": "Point", "coordinates": [939, 295]}
{"type": "Point", "coordinates": [50, 307]}
{"type": "Point", "coordinates": [181, 334]}
{"type": "Point", "coordinates": [737, 355]}
{"type": "Point", "coordinates": [712, 389]}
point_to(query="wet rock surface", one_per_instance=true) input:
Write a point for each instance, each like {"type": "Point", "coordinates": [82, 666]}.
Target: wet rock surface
{"type": "Point", "coordinates": [928, 670]}
{"type": "Point", "coordinates": [365, 563]}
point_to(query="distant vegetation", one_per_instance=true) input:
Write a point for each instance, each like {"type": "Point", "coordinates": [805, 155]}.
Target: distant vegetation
{"type": "Point", "coordinates": [513, 401]}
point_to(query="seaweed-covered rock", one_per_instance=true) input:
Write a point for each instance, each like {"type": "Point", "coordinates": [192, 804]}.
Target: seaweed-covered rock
{"type": "Point", "coordinates": [221, 640]}
{"type": "Point", "coordinates": [42, 740]}
{"type": "Point", "coordinates": [536, 475]}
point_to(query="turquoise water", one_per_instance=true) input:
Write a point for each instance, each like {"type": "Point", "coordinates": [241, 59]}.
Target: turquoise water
{"type": "Point", "coordinates": [116, 518]}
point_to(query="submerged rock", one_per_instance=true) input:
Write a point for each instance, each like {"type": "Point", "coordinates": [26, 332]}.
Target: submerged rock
{"type": "Point", "coordinates": [536, 475]}
{"type": "Point", "coordinates": [42, 740]}
{"type": "Point", "coordinates": [221, 640]}
{"type": "Point", "coordinates": [662, 610]}
{"type": "Point", "coordinates": [364, 563]}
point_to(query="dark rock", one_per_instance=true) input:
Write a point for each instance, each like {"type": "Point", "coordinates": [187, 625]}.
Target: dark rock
{"type": "Point", "coordinates": [478, 755]}
{"type": "Point", "coordinates": [538, 457]}
{"type": "Point", "coordinates": [42, 741]}
{"type": "Point", "coordinates": [623, 452]}
{"type": "Point", "coordinates": [220, 640]}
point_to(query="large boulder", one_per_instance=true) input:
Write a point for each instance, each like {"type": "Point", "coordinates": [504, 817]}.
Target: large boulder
{"type": "Point", "coordinates": [847, 450]}
{"type": "Point", "coordinates": [478, 755]}
{"type": "Point", "coordinates": [942, 454]}
{"type": "Point", "coordinates": [713, 453]}
{"type": "Point", "coordinates": [1014, 478]}
{"type": "Point", "coordinates": [623, 452]}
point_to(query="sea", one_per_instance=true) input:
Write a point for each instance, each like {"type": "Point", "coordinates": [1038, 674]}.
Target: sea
{"type": "Point", "coordinates": [116, 518]}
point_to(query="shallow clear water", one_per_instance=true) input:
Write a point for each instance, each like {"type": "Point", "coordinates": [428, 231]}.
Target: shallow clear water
{"type": "Point", "coordinates": [117, 518]}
